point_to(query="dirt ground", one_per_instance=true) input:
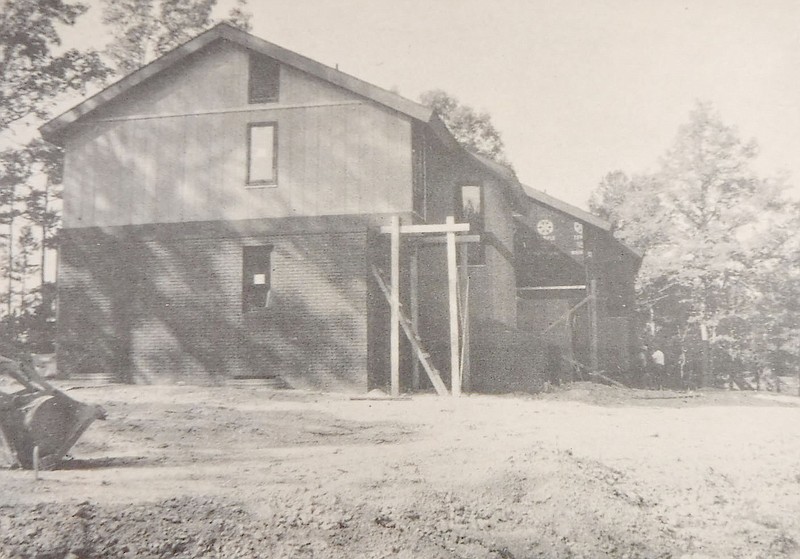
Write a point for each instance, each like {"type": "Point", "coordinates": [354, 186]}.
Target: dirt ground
{"type": "Point", "coordinates": [588, 471]}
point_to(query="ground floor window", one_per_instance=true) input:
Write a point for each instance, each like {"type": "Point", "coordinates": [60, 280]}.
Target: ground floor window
{"type": "Point", "coordinates": [256, 277]}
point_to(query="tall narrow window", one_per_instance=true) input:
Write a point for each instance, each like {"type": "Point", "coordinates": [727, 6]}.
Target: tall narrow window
{"type": "Point", "coordinates": [256, 280]}
{"type": "Point", "coordinates": [469, 205]}
{"type": "Point", "coordinates": [265, 79]}
{"type": "Point", "coordinates": [262, 154]}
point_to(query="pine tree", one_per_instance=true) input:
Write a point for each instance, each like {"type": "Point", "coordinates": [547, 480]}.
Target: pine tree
{"type": "Point", "coordinates": [35, 71]}
{"type": "Point", "coordinates": [15, 171]}
{"type": "Point", "coordinates": [40, 201]}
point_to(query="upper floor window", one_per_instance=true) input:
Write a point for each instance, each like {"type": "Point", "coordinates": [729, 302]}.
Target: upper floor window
{"type": "Point", "coordinates": [469, 205]}
{"type": "Point", "coordinates": [265, 78]}
{"type": "Point", "coordinates": [262, 154]}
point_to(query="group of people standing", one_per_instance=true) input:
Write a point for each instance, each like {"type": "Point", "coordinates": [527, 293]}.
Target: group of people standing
{"type": "Point", "coordinates": [653, 366]}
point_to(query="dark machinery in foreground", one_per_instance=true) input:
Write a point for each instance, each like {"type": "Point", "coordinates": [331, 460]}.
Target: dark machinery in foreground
{"type": "Point", "coordinates": [39, 424]}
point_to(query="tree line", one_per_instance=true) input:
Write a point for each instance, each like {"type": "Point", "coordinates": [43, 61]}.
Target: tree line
{"type": "Point", "coordinates": [719, 287]}
{"type": "Point", "coordinates": [718, 292]}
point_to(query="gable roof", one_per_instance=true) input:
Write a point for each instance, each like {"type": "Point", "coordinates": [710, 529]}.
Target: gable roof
{"type": "Point", "coordinates": [53, 129]}
{"type": "Point", "coordinates": [563, 207]}
{"type": "Point", "coordinates": [580, 215]}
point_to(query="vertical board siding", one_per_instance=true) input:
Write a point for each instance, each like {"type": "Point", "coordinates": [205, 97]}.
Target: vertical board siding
{"type": "Point", "coordinates": [136, 193]}
{"type": "Point", "coordinates": [170, 177]}
{"type": "Point", "coordinates": [213, 78]}
{"type": "Point", "coordinates": [335, 173]}
{"type": "Point", "coordinates": [148, 207]}
{"type": "Point", "coordinates": [398, 162]}
{"type": "Point", "coordinates": [314, 162]}
{"type": "Point", "coordinates": [326, 170]}
{"type": "Point", "coordinates": [74, 167]}
{"type": "Point", "coordinates": [198, 148]}
{"type": "Point", "coordinates": [367, 192]}
{"type": "Point", "coordinates": [299, 87]}
{"type": "Point", "coordinates": [501, 358]}
{"type": "Point", "coordinates": [337, 153]}
{"type": "Point", "coordinates": [351, 158]}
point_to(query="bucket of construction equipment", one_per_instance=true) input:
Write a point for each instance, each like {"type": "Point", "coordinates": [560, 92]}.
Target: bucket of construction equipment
{"type": "Point", "coordinates": [39, 424]}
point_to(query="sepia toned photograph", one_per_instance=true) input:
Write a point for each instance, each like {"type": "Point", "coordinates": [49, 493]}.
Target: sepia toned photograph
{"type": "Point", "coordinates": [453, 279]}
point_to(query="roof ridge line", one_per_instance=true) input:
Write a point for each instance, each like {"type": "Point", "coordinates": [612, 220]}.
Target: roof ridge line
{"type": "Point", "coordinates": [52, 129]}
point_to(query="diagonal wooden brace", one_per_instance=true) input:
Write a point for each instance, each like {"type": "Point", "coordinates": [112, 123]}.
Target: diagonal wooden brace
{"type": "Point", "coordinates": [416, 343]}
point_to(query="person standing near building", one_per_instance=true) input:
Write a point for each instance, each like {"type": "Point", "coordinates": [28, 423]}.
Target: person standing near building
{"type": "Point", "coordinates": [658, 363]}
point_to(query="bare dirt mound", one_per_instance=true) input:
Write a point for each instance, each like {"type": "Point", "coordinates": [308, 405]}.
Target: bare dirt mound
{"type": "Point", "coordinates": [587, 471]}
{"type": "Point", "coordinates": [513, 517]}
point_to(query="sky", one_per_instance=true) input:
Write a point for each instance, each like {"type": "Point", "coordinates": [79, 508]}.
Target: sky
{"type": "Point", "coordinates": [578, 88]}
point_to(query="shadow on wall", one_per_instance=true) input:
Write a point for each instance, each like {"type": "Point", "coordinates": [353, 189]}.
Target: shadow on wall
{"type": "Point", "coordinates": [168, 309]}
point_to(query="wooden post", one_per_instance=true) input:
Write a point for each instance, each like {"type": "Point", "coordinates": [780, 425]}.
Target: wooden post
{"type": "Point", "coordinates": [594, 361]}
{"type": "Point", "coordinates": [394, 336]}
{"type": "Point", "coordinates": [452, 277]}
{"type": "Point", "coordinates": [705, 364]}
{"type": "Point", "coordinates": [36, 462]}
{"type": "Point", "coordinates": [414, 272]}
{"type": "Point", "coordinates": [464, 302]}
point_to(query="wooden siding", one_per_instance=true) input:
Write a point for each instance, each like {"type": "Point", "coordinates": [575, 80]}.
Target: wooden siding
{"type": "Point", "coordinates": [174, 150]}
{"type": "Point", "coordinates": [567, 234]}
{"type": "Point", "coordinates": [492, 285]}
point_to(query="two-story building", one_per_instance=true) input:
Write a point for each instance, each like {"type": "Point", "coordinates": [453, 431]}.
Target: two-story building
{"type": "Point", "coordinates": [225, 208]}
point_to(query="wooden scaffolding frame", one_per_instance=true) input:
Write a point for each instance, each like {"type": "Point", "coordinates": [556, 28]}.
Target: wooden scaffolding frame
{"type": "Point", "coordinates": [458, 301]}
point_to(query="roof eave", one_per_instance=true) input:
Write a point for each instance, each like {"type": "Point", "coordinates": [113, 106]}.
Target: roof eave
{"type": "Point", "coordinates": [635, 255]}
{"type": "Point", "coordinates": [564, 207]}
{"type": "Point", "coordinates": [331, 75]}
{"type": "Point", "coordinates": [54, 129]}
{"type": "Point", "coordinates": [503, 173]}
{"type": "Point", "coordinates": [582, 216]}
{"type": "Point", "coordinates": [442, 133]}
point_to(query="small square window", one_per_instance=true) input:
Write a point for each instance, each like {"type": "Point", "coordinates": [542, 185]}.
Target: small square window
{"type": "Point", "coordinates": [264, 81]}
{"type": "Point", "coordinates": [262, 154]}
{"type": "Point", "coordinates": [256, 277]}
